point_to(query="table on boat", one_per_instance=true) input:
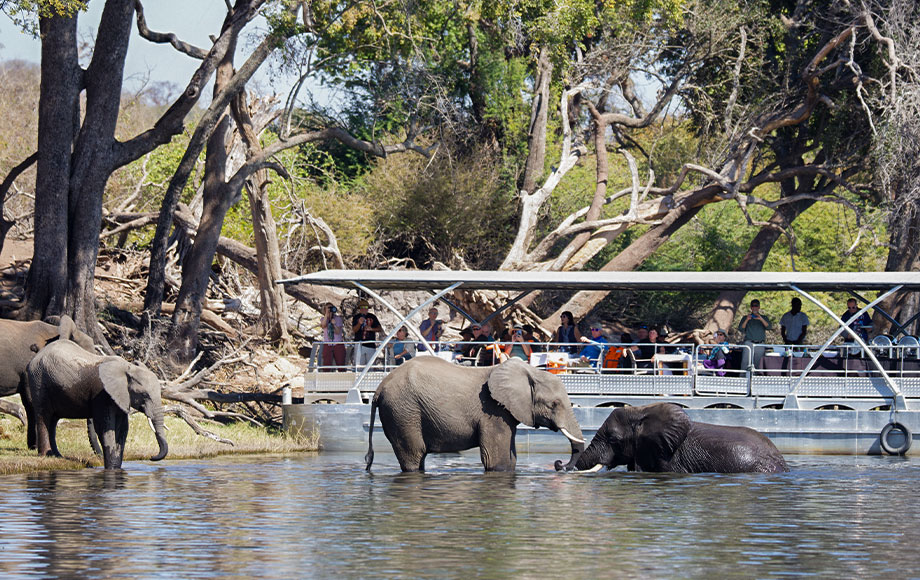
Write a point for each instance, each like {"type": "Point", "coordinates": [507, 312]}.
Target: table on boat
{"type": "Point", "coordinates": [663, 363]}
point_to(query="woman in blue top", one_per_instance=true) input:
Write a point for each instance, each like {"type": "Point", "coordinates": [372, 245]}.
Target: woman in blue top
{"type": "Point", "coordinates": [403, 349]}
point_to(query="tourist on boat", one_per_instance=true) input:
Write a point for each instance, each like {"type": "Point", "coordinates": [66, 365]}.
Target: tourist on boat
{"type": "Point", "coordinates": [860, 324]}
{"type": "Point", "coordinates": [432, 329]}
{"type": "Point", "coordinates": [794, 324]}
{"type": "Point", "coordinates": [364, 326]}
{"type": "Point", "coordinates": [716, 356]}
{"type": "Point", "coordinates": [593, 351]}
{"type": "Point", "coordinates": [754, 326]}
{"type": "Point", "coordinates": [567, 335]}
{"type": "Point", "coordinates": [400, 348]}
{"type": "Point", "coordinates": [518, 347]}
{"type": "Point", "coordinates": [333, 343]}
{"type": "Point", "coordinates": [646, 350]}
{"type": "Point", "coordinates": [533, 337]}
{"type": "Point", "coordinates": [642, 333]}
{"type": "Point", "coordinates": [489, 349]}
{"type": "Point", "coordinates": [468, 350]}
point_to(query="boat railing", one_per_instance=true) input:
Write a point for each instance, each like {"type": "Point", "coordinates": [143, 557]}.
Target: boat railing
{"type": "Point", "coordinates": [773, 371]}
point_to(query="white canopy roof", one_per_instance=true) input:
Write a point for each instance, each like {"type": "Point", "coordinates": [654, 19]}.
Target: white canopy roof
{"type": "Point", "coordinates": [693, 281]}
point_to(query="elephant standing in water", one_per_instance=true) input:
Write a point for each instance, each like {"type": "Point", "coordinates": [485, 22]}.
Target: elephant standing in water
{"type": "Point", "coordinates": [19, 341]}
{"type": "Point", "coordinates": [429, 405]}
{"type": "Point", "coordinates": [661, 437]}
{"type": "Point", "coordinates": [65, 381]}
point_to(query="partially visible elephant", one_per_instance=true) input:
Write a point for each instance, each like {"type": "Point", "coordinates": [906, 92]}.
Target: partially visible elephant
{"type": "Point", "coordinates": [429, 405]}
{"type": "Point", "coordinates": [19, 341]}
{"type": "Point", "coordinates": [65, 381]}
{"type": "Point", "coordinates": [661, 437]}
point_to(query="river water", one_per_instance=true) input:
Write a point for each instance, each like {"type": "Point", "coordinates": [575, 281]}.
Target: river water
{"type": "Point", "coordinates": [323, 516]}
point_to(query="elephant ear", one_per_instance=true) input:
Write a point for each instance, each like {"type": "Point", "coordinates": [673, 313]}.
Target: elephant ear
{"type": "Point", "coordinates": [114, 377]}
{"type": "Point", "coordinates": [662, 428]}
{"type": "Point", "coordinates": [509, 384]}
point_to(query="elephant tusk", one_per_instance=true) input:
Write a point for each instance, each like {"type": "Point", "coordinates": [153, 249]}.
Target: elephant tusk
{"type": "Point", "coordinates": [571, 437]}
{"type": "Point", "coordinates": [595, 469]}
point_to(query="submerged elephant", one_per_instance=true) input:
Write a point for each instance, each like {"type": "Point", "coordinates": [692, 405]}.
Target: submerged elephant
{"type": "Point", "coordinates": [65, 381]}
{"type": "Point", "coordinates": [661, 437]}
{"type": "Point", "coordinates": [19, 341]}
{"type": "Point", "coordinates": [429, 405]}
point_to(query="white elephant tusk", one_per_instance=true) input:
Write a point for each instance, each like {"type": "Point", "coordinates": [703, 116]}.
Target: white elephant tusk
{"type": "Point", "coordinates": [571, 437]}
{"type": "Point", "coordinates": [595, 469]}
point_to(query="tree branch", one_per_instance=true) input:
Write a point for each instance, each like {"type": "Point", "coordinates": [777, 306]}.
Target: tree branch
{"type": "Point", "coordinates": [165, 38]}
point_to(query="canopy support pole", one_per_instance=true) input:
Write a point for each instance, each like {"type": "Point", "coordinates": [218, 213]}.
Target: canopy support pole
{"type": "Point", "coordinates": [899, 402]}
{"type": "Point", "coordinates": [354, 394]}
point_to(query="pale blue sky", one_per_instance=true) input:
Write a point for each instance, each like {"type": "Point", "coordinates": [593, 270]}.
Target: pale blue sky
{"type": "Point", "coordinates": [192, 20]}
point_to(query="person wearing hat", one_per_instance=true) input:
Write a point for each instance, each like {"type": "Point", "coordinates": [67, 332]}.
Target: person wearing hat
{"type": "Point", "coordinates": [593, 351]}
{"type": "Point", "coordinates": [469, 350]}
{"type": "Point", "coordinates": [365, 327]}
{"type": "Point", "coordinates": [716, 358]}
{"type": "Point", "coordinates": [518, 347]}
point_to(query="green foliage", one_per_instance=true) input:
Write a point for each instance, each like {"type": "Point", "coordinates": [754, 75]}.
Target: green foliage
{"type": "Point", "coordinates": [440, 209]}
{"type": "Point", "coordinates": [24, 13]}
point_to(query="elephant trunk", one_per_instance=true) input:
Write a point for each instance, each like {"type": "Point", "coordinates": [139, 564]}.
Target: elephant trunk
{"type": "Point", "coordinates": [591, 458]}
{"type": "Point", "coordinates": [159, 429]}
{"type": "Point", "coordinates": [578, 445]}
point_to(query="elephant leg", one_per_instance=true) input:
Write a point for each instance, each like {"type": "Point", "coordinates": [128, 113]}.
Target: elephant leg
{"type": "Point", "coordinates": [497, 449]}
{"type": "Point", "coordinates": [93, 438]}
{"type": "Point", "coordinates": [52, 437]}
{"type": "Point", "coordinates": [31, 431]}
{"type": "Point", "coordinates": [410, 457]}
{"type": "Point", "coordinates": [111, 425]}
{"type": "Point", "coordinates": [43, 426]}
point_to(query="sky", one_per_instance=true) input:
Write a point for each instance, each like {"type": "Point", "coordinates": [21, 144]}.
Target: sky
{"type": "Point", "coordinates": [191, 20]}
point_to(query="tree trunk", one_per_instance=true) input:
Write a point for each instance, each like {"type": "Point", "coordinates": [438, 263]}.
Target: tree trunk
{"type": "Point", "coordinates": [196, 269]}
{"type": "Point", "coordinates": [539, 113]}
{"type": "Point", "coordinates": [273, 316]}
{"type": "Point", "coordinates": [58, 123]}
{"type": "Point", "coordinates": [74, 163]}
{"type": "Point", "coordinates": [632, 257]}
{"type": "Point", "coordinates": [728, 302]}
{"type": "Point", "coordinates": [93, 161]}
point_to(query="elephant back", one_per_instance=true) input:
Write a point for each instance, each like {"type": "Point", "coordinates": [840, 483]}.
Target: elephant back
{"type": "Point", "coordinates": [63, 362]}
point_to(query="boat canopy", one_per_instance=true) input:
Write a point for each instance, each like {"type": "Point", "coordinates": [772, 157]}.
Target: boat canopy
{"type": "Point", "coordinates": [577, 281]}
{"type": "Point", "coordinates": [441, 282]}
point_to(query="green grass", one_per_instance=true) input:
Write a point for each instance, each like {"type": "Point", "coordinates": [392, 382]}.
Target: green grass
{"type": "Point", "coordinates": [184, 443]}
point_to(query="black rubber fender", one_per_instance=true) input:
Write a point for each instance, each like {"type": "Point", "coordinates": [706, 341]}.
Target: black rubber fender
{"type": "Point", "coordinates": [890, 449]}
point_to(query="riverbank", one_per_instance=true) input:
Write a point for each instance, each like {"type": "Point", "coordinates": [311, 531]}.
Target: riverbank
{"type": "Point", "coordinates": [184, 443]}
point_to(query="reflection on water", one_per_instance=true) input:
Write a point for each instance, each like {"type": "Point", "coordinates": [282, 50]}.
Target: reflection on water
{"type": "Point", "coordinates": [324, 516]}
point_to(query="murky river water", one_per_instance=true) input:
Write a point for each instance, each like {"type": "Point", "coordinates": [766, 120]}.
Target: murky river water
{"type": "Point", "coordinates": [324, 516]}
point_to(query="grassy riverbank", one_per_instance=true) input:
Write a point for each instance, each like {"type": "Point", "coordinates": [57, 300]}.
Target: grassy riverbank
{"type": "Point", "coordinates": [184, 443]}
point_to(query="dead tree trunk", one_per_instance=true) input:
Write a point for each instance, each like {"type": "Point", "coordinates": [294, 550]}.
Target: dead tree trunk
{"type": "Point", "coordinates": [273, 315]}
{"type": "Point", "coordinates": [218, 198]}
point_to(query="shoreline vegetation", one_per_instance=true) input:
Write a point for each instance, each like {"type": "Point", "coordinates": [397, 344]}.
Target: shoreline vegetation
{"type": "Point", "coordinates": [184, 443]}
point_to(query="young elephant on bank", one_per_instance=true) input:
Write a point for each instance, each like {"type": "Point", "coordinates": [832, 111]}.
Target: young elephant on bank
{"type": "Point", "coordinates": [661, 437]}
{"type": "Point", "coordinates": [19, 341]}
{"type": "Point", "coordinates": [65, 381]}
{"type": "Point", "coordinates": [429, 405]}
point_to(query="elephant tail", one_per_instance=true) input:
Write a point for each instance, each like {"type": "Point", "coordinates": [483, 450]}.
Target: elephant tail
{"type": "Point", "coordinates": [369, 458]}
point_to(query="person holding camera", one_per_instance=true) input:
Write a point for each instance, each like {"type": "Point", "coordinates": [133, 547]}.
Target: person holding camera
{"type": "Point", "coordinates": [432, 329]}
{"type": "Point", "coordinates": [754, 326]}
{"type": "Point", "coordinates": [333, 350]}
{"type": "Point", "coordinates": [518, 347]}
{"type": "Point", "coordinates": [365, 327]}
